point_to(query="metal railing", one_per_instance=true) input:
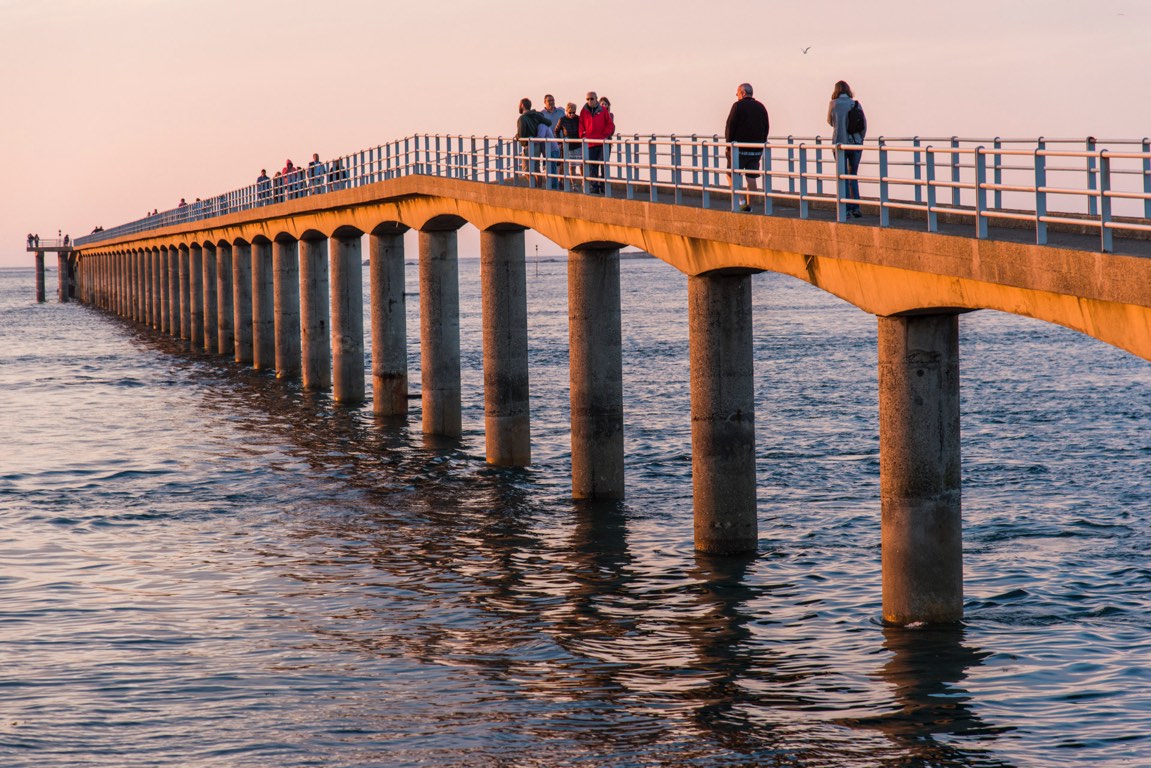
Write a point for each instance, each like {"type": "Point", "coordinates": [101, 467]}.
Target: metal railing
{"type": "Point", "coordinates": [1103, 186]}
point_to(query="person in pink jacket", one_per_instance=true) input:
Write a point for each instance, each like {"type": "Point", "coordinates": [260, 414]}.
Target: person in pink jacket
{"type": "Point", "coordinates": [595, 125]}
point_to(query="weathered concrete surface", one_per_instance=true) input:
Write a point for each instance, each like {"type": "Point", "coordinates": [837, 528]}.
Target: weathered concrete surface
{"type": "Point", "coordinates": [225, 297]}
{"type": "Point", "coordinates": [196, 286]}
{"type": "Point", "coordinates": [389, 324]}
{"type": "Point", "coordinates": [286, 285]}
{"type": "Point", "coordinates": [347, 278]}
{"type": "Point", "coordinates": [440, 333]}
{"type": "Point", "coordinates": [39, 277]}
{"type": "Point", "coordinates": [211, 308]}
{"type": "Point", "coordinates": [263, 307]}
{"type": "Point", "coordinates": [242, 301]}
{"type": "Point", "coordinates": [919, 469]}
{"type": "Point", "coordinates": [315, 332]}
{"type": "Point", "coordinates": [722, 413]}
{"type": "Point", "coordinates": [507, 416]}
{"type": "Point", "coordinates": [882, 271]}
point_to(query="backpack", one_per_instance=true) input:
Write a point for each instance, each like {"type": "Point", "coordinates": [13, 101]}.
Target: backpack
{"type": "Point", "coordinates": [856, 121]}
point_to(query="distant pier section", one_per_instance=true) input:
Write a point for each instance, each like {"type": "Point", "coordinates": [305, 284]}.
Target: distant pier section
{"type": "Point", "coordinates": [66, 269]}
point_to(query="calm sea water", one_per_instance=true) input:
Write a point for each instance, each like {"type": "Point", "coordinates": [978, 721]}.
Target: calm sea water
{"type": "Point", "coordinates": [203, 566]}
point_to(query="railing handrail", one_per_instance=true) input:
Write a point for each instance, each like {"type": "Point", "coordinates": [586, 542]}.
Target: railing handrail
{"type": "Point", "coordinates": [965, 177]}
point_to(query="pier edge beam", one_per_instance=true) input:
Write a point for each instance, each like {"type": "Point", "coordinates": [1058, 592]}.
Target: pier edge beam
{"type": "Point", "coordinates": [919, 468]}
{"type": "Point", "coordinates": [440, 333]}
{"type": "Point", "coordinates": [286, 286]}
{"type": "Point", "coordinates": [263, 306]}
{"type": "Point", "coordinates": [722, 413]}
{"type": "Point", "coordinates": [507, 414]}
{"type": "Point", "coordinates": [596, 371]}
{"type": "Point", "coordinates": [347, 279]}
{"type": "Point", "coordinates": [389, 324]}
{"type": "Point", "coordinates": [315, 333]}
{"type": "Point", "coordinates": [242, 301]}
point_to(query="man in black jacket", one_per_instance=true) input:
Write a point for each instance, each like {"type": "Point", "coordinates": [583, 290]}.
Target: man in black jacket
{"type": "Point", "coordinates": [746, 123]}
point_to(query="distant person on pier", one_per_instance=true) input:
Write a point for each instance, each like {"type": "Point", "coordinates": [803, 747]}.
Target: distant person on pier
{"type": "Point", "coordinates": [29, 239]}
{"type": "Point", "coordinates": [553, 115]}
{"type": "Point", "coordinates": [747, 123]}
{"type": "Point", "coordinates": [36, 240]}
{"type": "Point", "coordinates": [66, 239]}
{"type": "Point", "coordinates": [263, 187]}
{"type": "Point", "coordinates": [336, 174]}
{"type": "Point", "coordinates": [595, 126]}
{"type": "Point", "coordinates": [182, 204]}
{"type": "Point", "coordinates": [527, 131]}
{"type": "Point", "coordinates": [288, 176]}
{"type": "Point", "coordinates": [607, 147]}
{"type": "Point", "coordinates": [278, 187]}
{"type": "Point", "coordinates": [845, 116]}
{"type": "Point", "coordinates": [317, 172]}
{"type": "Point", "coordinates": [568, 128]}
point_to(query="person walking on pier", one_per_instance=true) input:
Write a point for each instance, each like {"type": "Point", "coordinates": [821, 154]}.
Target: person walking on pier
{"type": "Point", "coordinates": [747, 123]}
{"type": "Point", "coordinates": [568, 128]}
{"type": "Point", "coordinates": [528, 131]}
{"type": "Point", "coordinates": [553, 115]}
{"type": "Point", "coordinates": [845, 116]}
{"type": "Point", "coordinates": [595, 126]}
{"type": "Point", "coordinates": [263, 187]}
{"type": "Point", "coordinates": [317, 173]}
{"type": "Point", "coordinates": [29, 240]}
{"type": "Point", "coordinates": [36, 240]}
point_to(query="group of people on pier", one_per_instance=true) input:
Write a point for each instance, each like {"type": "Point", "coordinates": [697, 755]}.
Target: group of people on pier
{"type": "Point", "coordinates": [293, 181]}
{"type": "Point", "coordinates": [560, 136]}
{"type": "Point", "coordinates": [34, 239]}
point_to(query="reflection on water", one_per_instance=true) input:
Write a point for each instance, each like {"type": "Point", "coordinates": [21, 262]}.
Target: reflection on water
{"type": "Point", "coordinates": [206, 566]}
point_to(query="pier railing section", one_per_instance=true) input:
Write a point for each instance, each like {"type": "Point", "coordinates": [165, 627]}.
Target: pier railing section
{"type": "Point", "coordinates": [1102, 185]}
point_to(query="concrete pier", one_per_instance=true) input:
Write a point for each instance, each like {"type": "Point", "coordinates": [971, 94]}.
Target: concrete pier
{"type": "Point", "coordinates": [389, 324]}
{"type": "Point", "coordinates": [242, 301]}
{"type": "Point", "coordinates": [347, 277]}
{"type": "Point", "coordinates": [440, 333]}
{"type": "Point", "coordinates": [40, 277]}
{"type": "Point", "coordinates": [722, 413]}
{"type": "Point", "coordinates": [596, 355]}
{"type": "Point", "coordinates": [315, 333]}
{"type": "Point", "coordinates": [286, 284]}
{"type": "Point", "coordinates": [211, 303]}
{"type": "Point", "coordinates": [196, 286]}
{"type": "Point", "coordinates": [919, 468]}
{"type": "Point", "coordinates": [226, 338]}
{"type": "Point", "coordinates": [263, 306]}
{"type": "Point", "coordinates": [507, 415]}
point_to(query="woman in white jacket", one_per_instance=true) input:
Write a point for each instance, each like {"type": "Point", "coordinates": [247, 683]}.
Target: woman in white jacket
{"type": "Point", "coordinates": [842, 100]}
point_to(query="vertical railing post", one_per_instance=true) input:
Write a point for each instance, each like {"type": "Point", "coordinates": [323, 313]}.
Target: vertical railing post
{"type": "Point", "coordinates": [1092, 178]}
{"type": "Point", "coordinates": [1105, 231]}
{"type": "Point", "coordinates": [997, 174]}
{"type": "Point", "coordinates": [1040, 195]}
{"type": "Point", "coordinates": [980, 194]}
{"type": "Point", "coordinates": [694, 160]}
{"type": "Point", "coordinates": [652, 173]}
{"type": "Point", "coordinates": [631, 160]}
{"type": "Point", "coordinates": [803, 202]}
{"type": "Point", "coordinates": [956, 198]}
{"type": "Point", "coordinates": [818, 167]}
{"type": "Point", "coordinates": [790, 166]}
{"type": "Point", "coordinates": [917, 169]}
{"type": "Point", "coordinates": [884, 211]}
{"type": "Point", "coordinates": [499, 161]}
{"type": "Point", "coordinates": [705, 191]}
{"type": "Point", "coordinates": [1147, 178]}
{"type": "Point", "coordinates": [768, 185]}
{"type": "Point", "coordinates": [675, 169]}
{"type": "Point", "coordinates": [932, 214]}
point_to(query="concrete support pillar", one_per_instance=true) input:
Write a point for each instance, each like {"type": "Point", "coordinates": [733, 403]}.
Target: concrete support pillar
{"type": "Point", "coordinates": [157, 289]}
{"type": "Point", "coordinates": [919, 468]}
{"type": "Point", "coordinates": [242, 301]}
{"type": "Point", "coordinates": [226, 340]}
{"type": "Point", "coordinates": [286, 283]}
{"type": "Point", "coordinates": [211, 309]}
{"type": "Point", "coordinates": [722, 413]}
{"type": "Point", "coordinates": [62, 275]}
{"type": "Point", "coordinates": [146, 293]}
{"type": "Point", "coordinates": [315, 331]}
{"type": "Point", "coordinates": [440, 333]}
{"type": "Point", "coordinates": [174, 291]}
{"type": "Point", "coordinates": [40, 277]}
{"type": "Point", "coordinates": [169, 285]}
{"type": "Point", "coordinates": [196, 283]}
{"type": "Point", "coordinates": [507, 416]}
{"type": "Point", "coordinates": [263, 307]}
{"type": "Point", "coordinates": [389, 325]}
{"type": "Point", "coordinates": [139, 287]}
{"type": "Point", "coordinates": [347, 277]}
{"type": "Point", "coordinates": [596, 355]}
{"type": "Point", "coordinates": [185, 292]}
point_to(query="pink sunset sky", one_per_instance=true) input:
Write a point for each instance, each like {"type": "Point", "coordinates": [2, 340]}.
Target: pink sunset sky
{"type": "Point", "coordinates": [115, 107]}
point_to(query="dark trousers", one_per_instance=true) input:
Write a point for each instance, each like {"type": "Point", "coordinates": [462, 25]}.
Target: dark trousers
{"type": "Point", "coordinates": [595, 166]}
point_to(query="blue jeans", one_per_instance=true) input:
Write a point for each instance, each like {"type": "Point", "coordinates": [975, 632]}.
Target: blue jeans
{"type": "Point", "coordinates": [595, 166]}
